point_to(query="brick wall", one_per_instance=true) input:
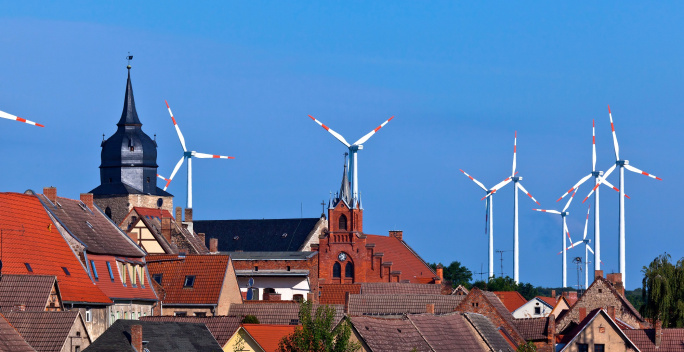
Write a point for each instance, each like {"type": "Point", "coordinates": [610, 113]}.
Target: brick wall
{"type": "Point", "coordinates": [476, 302]}
{"type": "Point", "coordinates": [120, 205]}
{"type": "Point", "coordinates": [311, 264]}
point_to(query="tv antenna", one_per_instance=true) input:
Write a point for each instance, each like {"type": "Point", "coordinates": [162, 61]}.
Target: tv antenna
{"type": "Point", "coordinates": [481, 273]}
{"type": "Point", "coordinates": [501, 252]}
{"type": "Point", "coordinates": [578, 261]}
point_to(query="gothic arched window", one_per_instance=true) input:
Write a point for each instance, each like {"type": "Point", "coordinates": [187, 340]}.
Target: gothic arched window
{"type": "Point", "coordinates": [108, 212]}
{"type": "Point", "coordinates": [349, 270]}
{"type": "Point", "coordinates": [337, 270]}
{"type": "Point", "coordinates": [343, 222]}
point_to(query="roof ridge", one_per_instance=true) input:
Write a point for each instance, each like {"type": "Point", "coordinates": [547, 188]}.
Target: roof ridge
{"type": "Point", "coordinates": [408, 317]}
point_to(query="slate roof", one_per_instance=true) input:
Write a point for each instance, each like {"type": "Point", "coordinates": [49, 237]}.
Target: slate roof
{"type": "Point", "coordinates": [335, 293]}
{"type": "Point", "coordinates": [403, 258]}
{"type": "Point", "coordinates": [44, 331]}
{"type": "Point", "coordinates": [10, 340]}
{"type": "Point", "coordinates": [30, 236]}
{"type": "Point", "coordinates": [382, 334]}
{"type": "Point", "coordinates": [221, 327]}
{"type": "Point", "coordinates": [162, 336]}
{"type": "Point", "coordinates": [490, 333]}
{"type": "Point", "coordinates": [150, 217]}
{"type": "Point", "coordinates": [115, 289]}
{"type": "Point", "coordinates": [672, 340]}
{"type": "Point", "coordinates": [91, 227]}
{"type": "Point", "coordinates": [512, 300]}
{"type": "Point", "coordinates": [533, 329]}
{"type": "Point", "coordinates": [271, 255]}
{"type": "Point", "coordinates": [276, 313]}
{"type": "Point", "coordinates": [448, 332]}
{"type": "Point", "coordinates": [114, 189]}
{"type": "Point", "coordinates": [258, 235]}
{"type": "Point", "coordinates": [401, 304]}
{"type": "Point", "coordinates": [268, 336]}
{"type": "Point", "coordinates": [209, 271]}
{"type": "Point", "coordinates": [32, 291]}
{"type": "Point", "coordinates": [384, 288]}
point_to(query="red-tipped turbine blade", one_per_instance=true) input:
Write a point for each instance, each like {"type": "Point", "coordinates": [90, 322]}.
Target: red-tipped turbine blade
{"type": "Point", "coordinates": [335, 134]}
{"type": "Point", "coordinates": [17, 118]}
{"type": "Point", "coordinates": [634, 169]}
{"type": "Point", "coordinates": [371, 133]}
{"type": "Point", "coordinates": [615, 142]}
{"type": "Point", "coordinates": [474, 180]}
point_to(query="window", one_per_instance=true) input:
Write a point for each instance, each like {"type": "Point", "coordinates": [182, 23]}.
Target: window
{"type": "Point", "coordinates": [255, 294]}
{"type": "Point", "coordinates": [125, 315]}
{"type": "Point", "coordinates": [110, 180]}
{"type": "Point", "coordinates": [349, 270]}
{"type": "Point", "coordinates": [78, 334]}
{"type": "Point", "coordinates": [180, 314]}
{"type": "Point", "coordinates": [256, 268]}
{"type": "Point", "coordinates": [337, 270]}
{"type": "Point", "coordinates": [122, 269]}
{"type": "Point", "coordinates": [599, 347]}
{"type": "Point", "coordinates": [343, 222]}
{"type": "Point", "coordinates": [88, 315]}
{"type": "Point", "coordinates": [582, 347]}
{"type": "Point", "coordinates": [28, 267]}
{"type": "Point", "coordinates": [157, 278]}
{"type": "Point", "coordinates": [189, 281]}
{"type": "Point", "coordinates": [117, 316]}
{"type": "Point", "coordinates": [288, 268]}
{"type": "Point", "coordinates": [77, 348]}
{"type": "Point", "coordinates": [111, 274]}
{"type": "Point", "coordinates": [537, 310]}
{"type": "Point", "coordinates": [142, 276]}
{"type": "Point", "coordinates": [298, 298]}
{"type": "Point", "coordinates": [201, 314]}
{"type": "Point", "coordinates": [108, 212]}
{"type": "Point", "coordinates": [92, 265]}
{"type": "Point", "coordinates": [133, 272]}
{"type": "Point", "coordinates": [66, 271]}
{"type": "Point", "coordinates": [132, 149]}
{"type": "Point", "coordinates": [148, 179]}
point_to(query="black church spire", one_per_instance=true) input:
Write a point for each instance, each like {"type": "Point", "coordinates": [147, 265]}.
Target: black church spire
{"type": "Point", "coordinates": [129, 116]}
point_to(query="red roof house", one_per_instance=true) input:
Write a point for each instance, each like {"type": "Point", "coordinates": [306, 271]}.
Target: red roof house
{"type": "Point", "coordinates": [511, 299]}
{"type": "Point", "coordinates": [261, 337]}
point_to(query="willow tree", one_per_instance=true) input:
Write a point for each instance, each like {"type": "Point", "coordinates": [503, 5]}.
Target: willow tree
{"type": "Point", "coordinates": [663, 291]}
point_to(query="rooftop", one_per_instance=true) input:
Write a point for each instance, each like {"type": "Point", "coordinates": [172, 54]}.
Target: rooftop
{"type": "Point", "coordinates": [268, 336]}
{"type": "Point", "coordinates": [512, 300]}
{"type": "Point", "coordinates": [44, 331]}
{"type": "Point", "coordinates": [32, 291]}
{"type": "Point", "coordinates": [284, 313]}
{"type": "Point", "coordinates": [271, 255]}
{"type": "Point", "coordinates": [221, 327]}
{"type": "Point", "coordinates": [401, 304]}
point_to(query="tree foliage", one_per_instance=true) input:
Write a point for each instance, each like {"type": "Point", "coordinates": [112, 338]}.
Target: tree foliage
{"type": "Point", "coordinates": [455, 273]}
{"type": "Point", "coordinates": [318, 333]}
{"type": "Point", "coordinates": [526, 347]}
{"type": "Point", "coordinates": [663, 291]}
{"type": "Point", "coordinates": [250, 319]}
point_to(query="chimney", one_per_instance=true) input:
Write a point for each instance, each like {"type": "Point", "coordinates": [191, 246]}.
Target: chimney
{"type": "Point", "coordinates": [397, 234]}
{"type": "Point", "coordinates": [658, 332]}
{"type": "Point", "coordinates": [582, 313]}
{"type": "Point", "coordinates": [572, 296]}
{"type": "Point", "coordinates": [551, 331]}
{"type": "Point", "coordinates": [50, 193]}
{"type": "Point", "coordinates": [616, 280]}
{"type": "Point", "coordinates": [310, 297]}
{"type": "Point", "coordinates": [136, 337]}
{"type": "Point", "coordinates": [553, 294]}
{"type": "Point", "coordinates": [188, 215]}
{"type": "Point", "coordinates": [179, 215]}
{"type": "Point", "coordinates": [166, 228]}
{"type": "Point", "coordinates": [213, 245]}
{"type": "Point", "coordinates": [346, 302]}
{"type": "Point", "coordinates": [597, 274]}
{"type": "Point", "coordinates": [611, 311]}
{"type": "Point", "coordinates": [440, 274]}
{"type": "Point", "coordinates": [202, 237]}
{"type": "Point", "coordinates": [87, 199]}
{"type": "Point", "coordinates": [430, 308]}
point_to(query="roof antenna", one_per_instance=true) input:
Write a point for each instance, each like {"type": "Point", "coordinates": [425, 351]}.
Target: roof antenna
{"type": "Point", "coordinates": [129, 58]}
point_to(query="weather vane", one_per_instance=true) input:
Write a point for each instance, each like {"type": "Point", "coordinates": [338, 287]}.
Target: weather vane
{"type": "Point", "coordinates": [129, 58]}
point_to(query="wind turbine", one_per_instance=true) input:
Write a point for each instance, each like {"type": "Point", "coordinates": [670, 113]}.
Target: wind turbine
{"type": "Point", "coordinates": [587, 249]}
{"type": "Point", "coordinates": [168, 181]}
{"type": "Point", "coordinates": [623, 164]}
{"type": "Point", "coordinates": [489, 218]}
{"type": "Point", "coordinates": [596, 175]}
{"type": "Point", "coordinates": [187, 155]}
{"type": "Point", "coordinates": [17, 118]}
{"type": "Point", "coordinates": [563, 213]}
{"type": "Point", "coordinates": [353, 149]}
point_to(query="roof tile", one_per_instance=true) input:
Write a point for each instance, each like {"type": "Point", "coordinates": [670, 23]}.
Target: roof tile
{"type": "Point", "coordinates": [221, 327]}
{"type": "Point", "coordinates": [11, 340]}
{"type": "Point", "coordinates": [403, 259]}
{"type": "Point", "coordinates": [32, 291]}
{"type": "Point", "coordinates": [284, 313]}
{"type": "Point", "coordinates": [401, 304]}
{"type": "Point", "coordinates": [512, 300]}
{"type": "Point", "coordinates": [672, 340]}
{"type": "Point", "coordinates": [385, 288]}
{"type": "Point", "coordinates": [44, 331]}
{"type": "Point", "coordinates": [268, 336]}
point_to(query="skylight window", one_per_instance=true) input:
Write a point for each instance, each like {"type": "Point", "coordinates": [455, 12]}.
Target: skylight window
{"type": "Point", "coordinates": [28, 267]}
{"type": "Point", "coordinates": [189, 281]}
{"type": "Point", "coordinates": [157, 278]}
{"type": "Point", "coordinates": [89, 225]}
{"type": "Point", "coordinates": [111, 274]}
{"type": "Point", "coordinates": [66, 271]}
{"type": "Point", "coordinates": [92, 265]}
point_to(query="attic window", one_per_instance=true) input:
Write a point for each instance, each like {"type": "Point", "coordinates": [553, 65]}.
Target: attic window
{"type": "Point", "coordinates": [110, 180]}
{"type": "Point", "coordinates": [89, 225]}
{"type": "Point", "coordinates": [111, 274]}
{"type": "Point", "coordinates": [157, 278]}
{"type": "Point", "coordinates": [28, 267]}
{"type": "Point", "coordinates": [92, 265]}
{"type": "Point", "coordinates": [83, 206]}
{"type": "Point", "coordinates": [59, 205]}
{"type": "Point", "coordinates": [66, 271]}
{"type": "Point", "coordinates": [148, 179]}
{"type": "Point", "coordinates": [189, 281]}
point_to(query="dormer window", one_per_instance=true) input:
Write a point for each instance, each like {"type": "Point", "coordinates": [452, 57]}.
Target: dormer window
{"type": "Point", "coordinates": [343, 222]}
{"type": "Point", "coordinates": [189, 281]}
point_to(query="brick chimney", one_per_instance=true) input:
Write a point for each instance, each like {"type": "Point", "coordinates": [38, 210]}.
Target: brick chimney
{"type": "Point", "coordinates": [188, 215]}
{"type": "Point", "coordinates": [551, 331]}
{"type": "Point", "coordinates": [87, 199]}
{"type": "Point", "coordinates": [50, 193]}
{"type": "Point", "coordinates": [202, 237]}
{"type": "Point", "coordinates": [553, 294]}
{"type": "Point", "coordinates": [658, 332]}
{"type": "Point", "coordinates": [397, 234]}
{"type": "Point", "coordinates": [213, 245]}
{"type": "Point", "coordinates": [166, 228]}
{"type": "Point", "coordinates": [179, 215]}
{"type": "Point", "coordinates": [611, 311]}
{"type": "Point", "coordinates": [440, 274]}
{"type": "Point", "coordinates": [572, 296]}
{"type": "Point", "coordinates": [582, 313]}
{"type": "Point", "coordinates": [430, 308]}
{"type": "Point", "coordinates": [346, 302]}
{"type": "Point", "coordinates": [136, 337]}
{"type": "Point", "coordinates": [598, 273]}
{"type": "Point", "coordinates": [616, 280]}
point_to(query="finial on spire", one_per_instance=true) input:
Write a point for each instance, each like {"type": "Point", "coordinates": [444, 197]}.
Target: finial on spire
{"type": "Point", "coordinates": [129, 58]}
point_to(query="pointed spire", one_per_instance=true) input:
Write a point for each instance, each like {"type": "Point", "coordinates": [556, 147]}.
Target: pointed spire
{"type": "Point", "coordinates": [345, 191]}
{"type": "Point", "coordinates": [129, 116]}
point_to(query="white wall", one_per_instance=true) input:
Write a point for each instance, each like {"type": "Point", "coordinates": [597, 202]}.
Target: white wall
{"type": "Point", "coordinates": [527, 310]}
{"type": "Point", "coordinates": [286, 286]}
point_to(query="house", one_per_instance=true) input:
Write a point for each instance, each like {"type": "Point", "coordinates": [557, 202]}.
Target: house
{"type": "Point", "coordinates": [157, 232]}
{"type": "Point", "coordinates": [51, 331]}
{"type": "Point", "coordinates": [535, 308]}
{"type": "Point", "coordinates": [283, 313]}
{"type": "Point", "coordinates": [258, 337]}
{"type": "Point", "coordinates": [115, 263]}
{"type": "Point", "coordinates": [194, 284]}
{"type": "Point", "coordinates": [460, 290]}
{"type": "Point", "coordinates": [11, 340]}
{"type": "Point", "coordinates": [596, 331]}
{"type": "Point", "coordinates": [33, 244]}
{"type": "Point", "coordinates": [221, 327]}
{"type": "Point", "coordinates": [489, 305]}
{"type": "Point", "coordinates": [512, 300]}
{"type": "Point", "coordinates": [657, 339]}
{"type": "Point", "coordinates": [33, 293]}
{"type": "Point", "coordinates": [540, 331]}
{"type": "Point", "coordinates": [140, 335]}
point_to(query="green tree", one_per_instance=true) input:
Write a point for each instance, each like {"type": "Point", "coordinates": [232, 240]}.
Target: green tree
{"type": "Point", "coordinates": [528, 291]}
{"type": "Point", "coordinates": [318, 333]}
{"type": "Point", "coordinates": [526, 347]}
{"type": "Point", "coordinates": [455, 273]}
{"type": "Point", "coordinates": [502, 284]}
{"type": "Point", "coordinates": [663, 291]}
{"type": "Point", "coordinates": [250, 319]}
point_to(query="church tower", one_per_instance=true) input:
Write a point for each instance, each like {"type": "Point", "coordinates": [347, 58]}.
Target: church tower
{"type": "Point", "coordinates": [128, 168]}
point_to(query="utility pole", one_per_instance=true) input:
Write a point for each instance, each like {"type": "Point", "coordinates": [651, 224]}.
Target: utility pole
{"type": "Point", "coordinates": [501, 252]}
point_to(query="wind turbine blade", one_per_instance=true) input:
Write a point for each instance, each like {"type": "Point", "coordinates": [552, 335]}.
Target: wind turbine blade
{"type": "Point", "coordinates": [593, 145]}
{"type": "Point", "coordinates": [515, 147]}
{"type": "Point", "coordinates": [615, 142]}
{"type": "Point", "coordinates": [605, 182]}
{"type": "Point", "coordinates": [602, 179]}
{"type": "Point", "coordinates": [168, 181]}
{"type": "Point", "coordinates": [178, 131]}
{"type": "Point", "coordinates": [476, 181]}
{"type": "Point", "coordinates": [569, 201]}
{"type": "Point", "coordinates": [17, 118]}
{"type": "Point", "coordinates": [210, 156]}
{"type": "Point", "coordinates": [526, 192]}
{"type": "Point", "coordinates": [371, 133]}
{"type": "Point", "coordinates": [548, 211]}
{"type": "Point", "coordinates": [175, 169]}
{"type": "Point", "coordinates": [501, 185]}
{"type": "Point", "coordinates": [575, 187]}
{"type": "Point", "coordinates": [592, 251]}
{"type": "Point", "coordinates": [634, 169]}
{"type": "Point", "coordinates": [586, 224]}
{"type": "Point", "coordinates": [565, 227]}
{"type": "Point", "coordinates": [335, 134]}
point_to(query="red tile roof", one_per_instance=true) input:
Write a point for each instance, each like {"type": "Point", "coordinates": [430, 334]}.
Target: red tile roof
{"type": "Point", "coordinates": [511, 299]}
{"type": "Point", "coordinates": [115, 289]}
{"type": "Point", "coordinates": [450, 332]}
{"type": "Point", "coordinates": [209, 272]}
{"type": "Point", "coordinates": [268, 336]}
{"type": "Point", "coordinates": [30, 236]}
{"type": "Point", "coordinates": [548, 300]}
{"type": "Point", "coordinates": [335, 293]}
{"type": "Point", "coordinates": [672, 340]}
{"type": "Point", "coordinates": [401, 304]}
{"type": "Point", "coordinates": [403, 259]}
{"type": "Point", "coordinates": [10, 340]}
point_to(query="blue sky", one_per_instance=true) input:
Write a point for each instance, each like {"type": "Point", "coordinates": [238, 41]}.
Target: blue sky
{"type": "Point", "coordinates": [459, 77]}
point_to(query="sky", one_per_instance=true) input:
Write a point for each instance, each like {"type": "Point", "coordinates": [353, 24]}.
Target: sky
{"type": "Point", "coordinates": [459, 77]}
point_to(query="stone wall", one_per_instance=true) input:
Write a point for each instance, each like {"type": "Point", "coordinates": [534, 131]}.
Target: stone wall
{"type": "Point", "coordinates": [120, 205]}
